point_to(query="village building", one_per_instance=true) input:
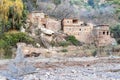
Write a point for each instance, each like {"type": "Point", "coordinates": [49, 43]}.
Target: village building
{"type": "Point", "coordinates": [51, 24]}
{"type": "Point", "coordinates": [102, 35]}
{"type": "Point", "coordinates": [81, 30]}
{"type": "Point", "coordinates": [88, 33]}
{"type": "Point", "coordinates": [36, 17]}
{"type": "Point", "coordinates": [84, 32]}
{"type": "Point", "coordinates": [41, 19]}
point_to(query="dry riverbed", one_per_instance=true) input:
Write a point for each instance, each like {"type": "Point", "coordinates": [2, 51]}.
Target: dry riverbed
{"type": "Point", "coordinates": [85, 68]}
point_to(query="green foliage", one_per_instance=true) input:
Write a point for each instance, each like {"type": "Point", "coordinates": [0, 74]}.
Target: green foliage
{"type": "Point", "coordinates": [64, 43]}
{"type": "Point", "coordinates": [57, 2]}
{"type": "Point", "coordinates": [8, 53]}
{"type": "Point", "coordinates": [117, 6]}
{"type": "Point", "coordinates": [73, 40]}
{"type": "Point", "coordinates": [9, 40]}
{"type": "Point", "coordinates": [116, 32]}
{"type": "Point", "coordinates": [94, 53]}
{"type": "Point", "coordinates": [64, 50]}
{"type": "Point", "coordinates": [13, 16]}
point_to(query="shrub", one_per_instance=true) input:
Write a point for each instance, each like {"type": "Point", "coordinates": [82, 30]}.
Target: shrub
{"type": "Point", "coordinates": [94, 53]}
{"type": "Point", "coordinates": [73, 40]}
{"type": "Point", "coordinates": [9, 40]}
{"type": "Point", "coordinates": [64, 50]}
{"type": "Point", "coordinates": [116, 32]}
{"type": "Point", "coordinates": [64, 43]}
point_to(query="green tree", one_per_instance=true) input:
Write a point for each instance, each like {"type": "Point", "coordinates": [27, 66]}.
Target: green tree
{"type": "Point", "coordinates": [56, 2]}
{"type": "Point", "coordinates": [116, 32]}
{"type": "Point", "coordinates": [12, 13]}
{"type": "Point", "coordinates": [116, 6]}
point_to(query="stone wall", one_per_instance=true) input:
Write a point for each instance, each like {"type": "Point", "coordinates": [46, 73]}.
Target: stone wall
{"type": "Point", "coordinates": [41, 19]}
{"type": "Point", "coordinates": [82, 31]}
{"type": "Point", "coordinates": [102, 35]}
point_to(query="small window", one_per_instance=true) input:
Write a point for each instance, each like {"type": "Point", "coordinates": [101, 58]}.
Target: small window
{"type": "Point", "coordinates": [80, 29]}
{"type": "Point", "coordinates": [103, 33]}
{"type": "Point", "coordinates": [107, 33]}
{"type": "Point", "coordinates": [67, 21]}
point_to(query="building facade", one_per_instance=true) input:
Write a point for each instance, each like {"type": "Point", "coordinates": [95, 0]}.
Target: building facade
{"type": "Point", "coordinates": [81, 30]}
{"type": "Point", "coordinates": [102, 35]}
{"type": "Point", "coordinates": [39, 19]}
{"type": "Point", "coordinates": [88, 33]}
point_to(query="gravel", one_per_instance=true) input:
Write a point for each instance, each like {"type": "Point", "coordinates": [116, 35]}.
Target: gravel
{"type": "Point", "coordinates": [97, 71]}
{"type": "Point", "coordinates": [102, 69]}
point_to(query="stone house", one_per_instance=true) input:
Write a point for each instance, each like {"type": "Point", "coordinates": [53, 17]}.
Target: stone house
{"type": "Point", "coordinates": [102, 35]}
{"type": "Point", "coordinates": [36, 17]}
{"type": "Point", "coordinates": [51, 24]}
{"type": "Point", "coordinates": [84, 32]}
{"type": "Point", "coordinates": [87, 32]}
{"type": "Point", "coordinates": [42, 19]}
{"type": "Point", "coordinates": [81, 30]}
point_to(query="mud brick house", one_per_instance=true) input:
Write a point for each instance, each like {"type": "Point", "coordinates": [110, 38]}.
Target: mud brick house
{"type": "Point", "coordinates": [42, 19]}
{"type": "Point", "coordinates": [81, 30]}
{"type": "Point", "coordinates": [102, 35]}
{"type": "Point", "coordinates": [84, 32]}
{"type": "Point", "coordinates": [36, 17]}
{"type": "Point", "coordinates": [51, 24]}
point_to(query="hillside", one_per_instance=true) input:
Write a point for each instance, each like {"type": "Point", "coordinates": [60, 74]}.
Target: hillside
{"type": "Point", "coordinates": [96, 11]}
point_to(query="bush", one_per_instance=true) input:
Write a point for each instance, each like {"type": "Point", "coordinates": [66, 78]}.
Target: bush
{"type": "Point", "coordinates": [73, 40]}
{"type": "Point", "coordinates": [116, 32]}
{"type": "Point", "coordinates": [64, 50]}
{"type": "Point", "coordinates": [9, 40]}
{"type": "Point", "coordinates": [94, 53]}
{"type": "Point", "coordinates": [64, 43]}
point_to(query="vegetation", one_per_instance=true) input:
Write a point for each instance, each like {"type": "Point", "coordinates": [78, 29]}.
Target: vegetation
{"type": "Point", "coordinates": [64, 50]}
{"type": "Point", "coordinates": [9, 40]}
{"type": "Point", "coordinates": [73, 40]}
{"type": "Point", "coordinates": [94, 53]}
{"type": "Point", "coordinates": [117, 7]}
{"type": "Point", "coordinates": [64, 43]}
{"type": "Point", "coordinates": [116, 32]}
{"type": "Point", "coordinates": [12, 13]}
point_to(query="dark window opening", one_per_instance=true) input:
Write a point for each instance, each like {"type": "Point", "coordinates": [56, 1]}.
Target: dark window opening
{"type": "Point", "coordinates": [80, 29]}
{"type": "Point", "coordinates": [84, 24]}
{"type": "Point", "coordinates": [103, 33]}
{"type": "Point", "coordinates": [107, 33]}
{"type": "Point", "coordinates": [67, 21]}
{"type": "Point", "coordinates": [75, 21]}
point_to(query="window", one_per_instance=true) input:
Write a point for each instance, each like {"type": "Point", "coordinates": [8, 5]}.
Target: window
{"type": "Point", "coordinates": [80, 29]}
{"type": "Point", "coordinates": [107, 33]}
{"type": "Point", "coordinates": [67, 21]}
{"type": "Point", "coordinates": [75, 21]}
{"type": "Point", "coordinates": [103, 33]}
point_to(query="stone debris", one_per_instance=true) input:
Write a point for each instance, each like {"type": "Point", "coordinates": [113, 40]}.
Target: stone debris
{"type": "Point", "coordinates": [49, 69]}
{"type": "Point", "coordinates": [74, 73]}
{"type": "Point", "coordinates": [3, 78]}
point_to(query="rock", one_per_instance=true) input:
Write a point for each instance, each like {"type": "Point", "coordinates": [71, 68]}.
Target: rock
{"type": "Point", "coordinates": [31, 77]}
{"type": "Point", "coordinates": [74, 71]}
{"type": "Point", "coordinates": [22, 29]}
{"type": "Point", "coordinates": [47, 31]}
{"type": "Point", "coordinates": [3, 78]}
{"type": "Point", "coordinates": [37, 44]}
